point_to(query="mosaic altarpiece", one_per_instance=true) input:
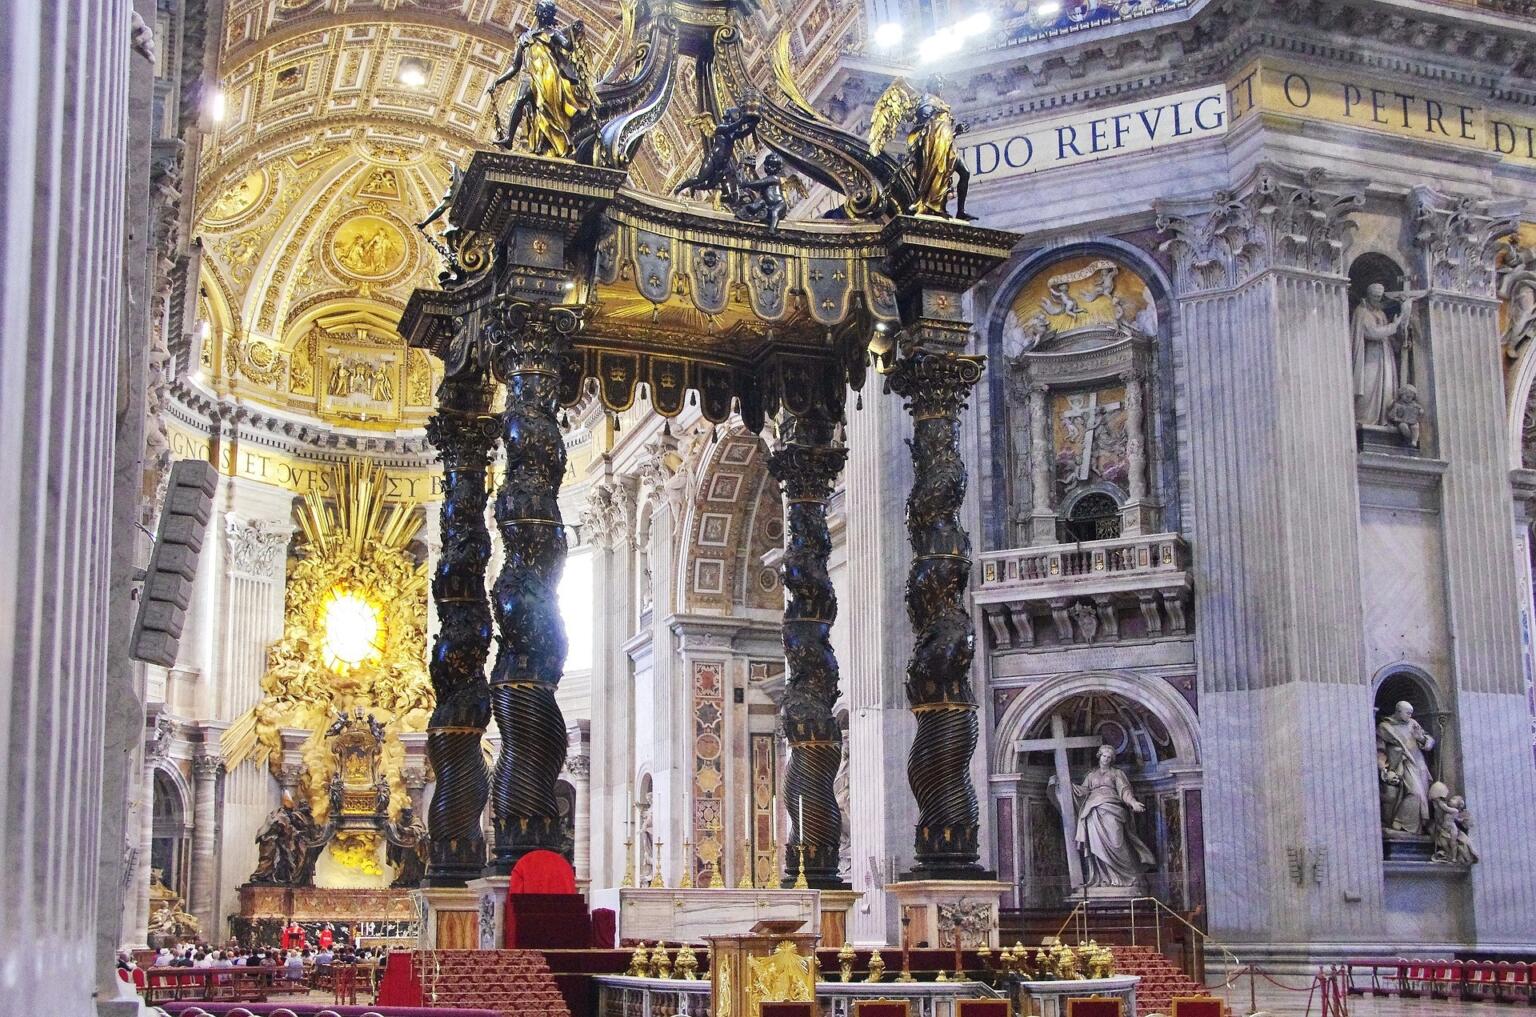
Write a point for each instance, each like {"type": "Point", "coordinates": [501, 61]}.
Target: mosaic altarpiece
{"type": "Point", "coordinates": [1080, 338]}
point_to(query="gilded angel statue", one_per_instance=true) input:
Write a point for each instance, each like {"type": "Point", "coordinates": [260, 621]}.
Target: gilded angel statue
{"type": "Point", "coordinates": [936, 163]}
{"type": "Point", "coordinates": [557, 92]}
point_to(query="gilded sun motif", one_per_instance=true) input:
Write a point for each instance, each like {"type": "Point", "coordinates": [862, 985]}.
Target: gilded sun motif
{"type": "Point", "coordinates": [237, 200]}
{"type": "Point", "coordinates": [369, 247]}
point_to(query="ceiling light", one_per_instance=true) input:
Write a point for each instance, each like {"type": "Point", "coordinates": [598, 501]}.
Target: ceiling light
{"type": "Point", "coordinates": [1049, 9]}
{"type": "Point", "coordinates": [218, 105]}
{"type": "Point", "coordinates": [941, 44]}
{"type": "Point", "coordinates": [889, 34]}
{"type": "Point", "coordinates": [975, 24]}
{"type": "Point", "coordinates": [412, 72]}
{"type": "Point", "coordinates": [205, 330]}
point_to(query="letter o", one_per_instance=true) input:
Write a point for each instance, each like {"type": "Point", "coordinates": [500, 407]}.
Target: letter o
{"type": "Point", "coordinates": [1304, 84]}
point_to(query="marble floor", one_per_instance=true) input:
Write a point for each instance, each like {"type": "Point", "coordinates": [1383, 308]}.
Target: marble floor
{"type": "Point", "coordinates": [1295, 1001]}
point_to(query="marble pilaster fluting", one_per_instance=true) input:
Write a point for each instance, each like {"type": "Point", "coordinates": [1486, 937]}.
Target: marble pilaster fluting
{"type": "Point", "coordinates": [1455, 236]}
{"type": "Point", "coordinates": [207, 771]}
{"type": "Point", "coordinates": [1285, 708]}
{"type": "Point", "coordinates": [256, 535]}
{"type": "Point", "coordinates": [881, 811]}
{"type": "Point", "coordinates": [579, 770]}
{"type": "Point", "coordinates": [613, 539]}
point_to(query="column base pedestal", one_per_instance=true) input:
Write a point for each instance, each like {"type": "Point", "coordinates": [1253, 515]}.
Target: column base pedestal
{"type": "Point", "coordinates": [491, 893]}
{"type": "Point", "coordinates": [836, 912]}
{"type": "Point", "coordinates": [977, 902]}
{"type": "Point", "coordinates": [448, 918]}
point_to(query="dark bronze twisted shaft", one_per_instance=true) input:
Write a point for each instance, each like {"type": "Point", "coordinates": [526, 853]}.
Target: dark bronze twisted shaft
{"type": "Point", "coordinates": [526, 346]}
{"type": "Point", "coordinates": [807, 465]}
{"type": "Point", "coordinates": [936, 386]}
{"type": "Point", "coordinates": [463, 432]}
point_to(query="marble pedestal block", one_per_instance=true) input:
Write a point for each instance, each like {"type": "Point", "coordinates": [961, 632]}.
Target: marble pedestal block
{"type": "Point", "coordinates": [976, 901]}
{"type": "Point", "coordinates": [1049, 999]}
{"type": "Point", "coordinates": [690, 916]}
{"type": "Point", "coordinates": [449, 917]}
{"type": "Point", "coordinates": [836, 913]}
{"type": "Point", "coordinates": [491, 892]}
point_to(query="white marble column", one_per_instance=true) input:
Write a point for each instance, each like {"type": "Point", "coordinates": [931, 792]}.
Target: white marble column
{"type": "Point", "coordinates": [609, 526]}
{"type": "Point", "coordinates": [1136, 516]}
{"type": "Point", "coordinates": [579, 769]}
{"type": "Point", "coordinates": [207, 770]}
{"type": "Point", "coordinates": [882, 813]}
{"type": "Point", "coordinates": [1285, 708]}
{"type": "Point", "coordinates": [1483, 573]}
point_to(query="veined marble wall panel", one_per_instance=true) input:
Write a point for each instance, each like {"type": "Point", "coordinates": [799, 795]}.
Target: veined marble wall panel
{"type": "Point", "coordinates": [1402, 578]}
{"type": "Point", "coordinates": [250, 794]}
{"type": "Point", "coordinates": [1174, 653]}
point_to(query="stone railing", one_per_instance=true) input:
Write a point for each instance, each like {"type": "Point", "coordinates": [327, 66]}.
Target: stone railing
{"type": "Point", "coordinates": [622, 996]}
{"type": "Point", "coordinates": [1092, 592]}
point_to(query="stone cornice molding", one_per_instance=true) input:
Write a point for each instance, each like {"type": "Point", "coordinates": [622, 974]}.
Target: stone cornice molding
{"type": "Point", "coordinates": [1456, 235]}
{"type": "Point", "coordinates": [211, 415]}
{"type": "Point", "coordinates": [1279, 218]}
{"type": "Point", "coordinates": [1473, 50]}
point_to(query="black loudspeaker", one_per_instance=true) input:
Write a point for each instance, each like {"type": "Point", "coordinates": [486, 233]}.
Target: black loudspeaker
{"type": "Point", "coordinates": [173, 563]}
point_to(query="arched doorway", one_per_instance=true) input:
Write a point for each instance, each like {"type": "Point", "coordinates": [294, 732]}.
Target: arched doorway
{"type": "Point", "coordinates": [170, 844]}
{"type": "Point", "coordinates": [1153, 732]}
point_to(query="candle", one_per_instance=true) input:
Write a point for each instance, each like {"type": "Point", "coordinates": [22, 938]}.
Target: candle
{"type": "Point", "coordinates": [802, 818]}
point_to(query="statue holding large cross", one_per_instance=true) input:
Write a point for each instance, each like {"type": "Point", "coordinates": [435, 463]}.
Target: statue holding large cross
{"type": "Point", "coordinates": [1093, 416]}
{"type": "Point", "coordinates": [1105, 858]}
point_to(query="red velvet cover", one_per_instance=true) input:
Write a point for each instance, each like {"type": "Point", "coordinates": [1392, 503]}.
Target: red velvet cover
{"type": "Point", "coordinates": [983, 1008]}
{"type": "Point", "coordinates": [401, 984]}
{"type": "Point", "coordinates": [881, 1008]}
{"type": "Point", "coordinates": [786, 1010]}
{"type": "Point", "coordinates": [605, 925]}
{"type": "Point", "coordinates": [547, 921]}
{"type": "Point", "coordinates": [1196, 1006]}
{"type": "Point", "coordinates": [1095, 1006]}
{"type": "Point", "coordinates": [542, 872]}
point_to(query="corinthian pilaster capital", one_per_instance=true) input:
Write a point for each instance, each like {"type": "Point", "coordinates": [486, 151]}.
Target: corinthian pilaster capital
{"type": "Point", "coordinates": [257, 547]}
{"type": "Point", "coordinates": [1457, 235]}
{"type": "Point", "coordinates": [1279, 218]}
{"type": "Point", "coordinates": [608, 518]}
{"type": "Point", "coordinates": [207, 767]}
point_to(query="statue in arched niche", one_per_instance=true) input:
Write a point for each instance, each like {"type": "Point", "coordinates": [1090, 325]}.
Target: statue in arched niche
{"type": "Point", "coordinates": [1113, 856]}
{"type": "Point", "coordinates": [1384, 351]}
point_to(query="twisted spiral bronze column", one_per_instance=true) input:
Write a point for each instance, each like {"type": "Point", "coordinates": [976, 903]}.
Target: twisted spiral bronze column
{"type": "Point", "coordinates": [936, 386]}
{"type": "Point", "coordinates": [463, 432]}
{"type": "Point", "coordinates": [807, 466]}
{"type": "Point", "coordinates": [527, 342]}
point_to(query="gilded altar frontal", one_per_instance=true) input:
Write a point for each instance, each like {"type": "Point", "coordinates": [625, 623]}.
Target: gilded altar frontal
{"type": "Point", "coordinates": [765, 507]}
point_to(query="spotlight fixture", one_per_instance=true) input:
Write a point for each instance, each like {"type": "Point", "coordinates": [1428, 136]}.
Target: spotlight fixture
{"type": "Point", "coordinates": [889, 34]}
{"type": "Point", "coordinates": [412, 73]}
{"type": "Point", "coordinates": [975, 24]}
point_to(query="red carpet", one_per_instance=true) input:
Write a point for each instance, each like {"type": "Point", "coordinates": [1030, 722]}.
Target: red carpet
{"type": "Point", "coordinates": [514, 983]}
{"type": "Point", "coordinates": [1161, 980]}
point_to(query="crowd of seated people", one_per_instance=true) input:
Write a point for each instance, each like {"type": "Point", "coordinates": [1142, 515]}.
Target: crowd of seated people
{"type": "Point", "coordinates": [290, 970]}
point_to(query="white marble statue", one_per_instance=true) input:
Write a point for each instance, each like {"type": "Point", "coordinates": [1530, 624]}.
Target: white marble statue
{"type": "Point", "coordinates": [1403, 771]}
{"type": "Point", "coordinates": [1382, 353]}
{"type": "Point", "coordinates": [1113, 856]}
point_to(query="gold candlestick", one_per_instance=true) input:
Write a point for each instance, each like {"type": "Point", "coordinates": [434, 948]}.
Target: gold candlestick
{"type": "Point", "coordinates": [629, 863]}
{"type": "Point", "coordinates": [800, 883]}
{"type": "Point", "coordinates": [686, 882]}
{"type": "Point", "coordinates": [657, 882]}
{"type": "Point", "coordinates": [748, 880]}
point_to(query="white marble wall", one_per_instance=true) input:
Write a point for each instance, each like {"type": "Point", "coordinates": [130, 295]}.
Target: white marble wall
{"type": "Point", "coordinates": [63, 142]}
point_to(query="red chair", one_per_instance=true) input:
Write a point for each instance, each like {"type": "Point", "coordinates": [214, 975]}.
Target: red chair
{"type": "Point", "coordinates": [344, 983]}
{"type": "Point", "coordinates": [1195, 1006]}
{"type": "Point", "coordinates": [1095, 1006]}
{"type": "Point", "coordinates": [792, 1010]}
{"type": "Point", "coordinates": [873, 1008]}
{"type": "Point", "coordinates": [983, 1008]}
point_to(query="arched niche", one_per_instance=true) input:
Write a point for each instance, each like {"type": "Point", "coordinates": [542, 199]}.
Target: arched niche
{"type": "Point", "coordinates": [1081, 332]}
{"type": "Point", "coordinates": [171, 833]}
{"type": "Point", "coordinates": [1408, 683]}
{"type": "Point", "coordinates": [1155, 735]}
{"type": "Point", "coordinates": [1392, 393]}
